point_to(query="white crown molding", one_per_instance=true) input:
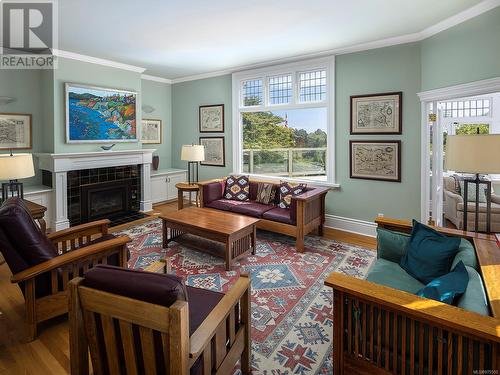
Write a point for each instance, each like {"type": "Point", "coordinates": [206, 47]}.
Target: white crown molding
{"type": "Point", "coordinates": [445, 24]}
{"type": "Point", "coordinates": [147, 77]}
{"type": "Point", "coordinates": [485, 86]}
{"type": "Point", "coordinates": [97, 60]}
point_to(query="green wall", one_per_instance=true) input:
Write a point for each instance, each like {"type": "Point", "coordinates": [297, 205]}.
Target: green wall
{"type": "Point", "coordinates": [159, 96]}
{"type": "Point", "coordinates": [467, 52]}
{"type": "Point", "coordinates": [186, 98]}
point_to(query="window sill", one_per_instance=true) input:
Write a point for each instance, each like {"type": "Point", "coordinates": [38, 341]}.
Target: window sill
{"type": "Point", "coordinates": [318, 183]}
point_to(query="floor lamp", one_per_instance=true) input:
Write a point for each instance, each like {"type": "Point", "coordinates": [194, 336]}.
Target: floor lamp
{"type": "Point", "coordinates": [193, 154]}
{"type": "Point", "coordinates": [478, 155]}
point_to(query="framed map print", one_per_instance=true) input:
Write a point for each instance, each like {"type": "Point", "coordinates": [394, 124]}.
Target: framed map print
{"type": "Point", "coordinates": [212, 118]}
{"type": "Point", "coordinates": [377, 113]}
{"type": "Point", "coordinates": [215, 154]}
{"type": "Point", "coordinates": [151, 131]}
{"type": "Point", "coordinates": [15, 131]}
{"type": "Point", "coordinates": [375, 160]}
{"type": "Point", "coordinates": [100, 115]}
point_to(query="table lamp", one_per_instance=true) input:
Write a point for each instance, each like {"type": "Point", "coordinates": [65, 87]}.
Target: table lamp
{"type": "Point", "coordinates": [193, 154]}
{"type": "Point", "coordinates": [475, 154]}
{"type": "Point", "coordinates": [12, 168]}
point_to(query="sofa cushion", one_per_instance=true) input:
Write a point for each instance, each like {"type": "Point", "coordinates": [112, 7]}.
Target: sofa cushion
{"type": "Point", "coordinates": [429, 254]}
{"type": "Point", "coordinates": [251, 208]}
{"type": "Point", "coordinates": [447, 287]}
{"type": "Point", "coordinates": [283, 215]}
{"type": "Point", "coordinates": [474, 299]}
{"type": "Point", "coordinates": [265, 193]}
{"type": "Point", "coordinates": [224, 204]}
{"type": "Point", "coordinates": [471, 208]}
{"type": "Point", "coordinates": [466, 254]}
{"type": "Point", "coordinates": [471, 191]}
{"type": "Point", "coordinates": [213, 191]}
{"type": "Point", "coordinates": [237, 188]}
{"type": "Point", "coordinates": [288, 190]}
{"type": "Point", "coordinates": [160, 289]}
{"type": "Point", "coordinates": [385, 272]}
{"type": "Point", "coordinates": [391, 245]}
{"type": "Point", "coordinates": [24, 234]}
{"type": "Point", "coordinates": [201, 303]}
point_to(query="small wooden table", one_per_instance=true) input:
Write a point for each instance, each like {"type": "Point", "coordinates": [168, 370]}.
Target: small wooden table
{"type": "Point", "coordinates": [185, 187]}
{"type": "Point", "coordinates": [236, 233]}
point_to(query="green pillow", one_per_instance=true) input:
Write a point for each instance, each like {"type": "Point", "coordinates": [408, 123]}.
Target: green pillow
{"type": "Point", "coordinates": [448, 287]}
{"type": "Point", "coordinates": [429, 254]}
{"type": "Point", "coordinates": [391, 245]}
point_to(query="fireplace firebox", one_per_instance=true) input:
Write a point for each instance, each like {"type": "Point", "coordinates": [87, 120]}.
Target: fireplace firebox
{"type": "Point", "coordinates": [106, 199]}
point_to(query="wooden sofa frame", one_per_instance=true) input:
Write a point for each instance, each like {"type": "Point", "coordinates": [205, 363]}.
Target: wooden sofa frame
{"type": "Point", "coordinates": [310, 215]}
{"type": "Point", "coordinates": [72, 261]}
{"type": "Point", "coordinates": [381, 330]}
{"type": "Point", "coordinates": [221, 340]}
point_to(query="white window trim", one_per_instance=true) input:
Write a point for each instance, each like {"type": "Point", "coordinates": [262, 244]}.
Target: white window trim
{"type": "Point", "coordinates": [327, 63]}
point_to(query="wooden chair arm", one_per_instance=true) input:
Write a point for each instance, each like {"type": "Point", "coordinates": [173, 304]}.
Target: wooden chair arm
{"type": "Point", "coordinates": [311, 194]}
{"type": "Point", "coordinates": [430, 311]}
{"type": "Point", "coordinates": [405, 226]}
{"type": "Point", "coordinates": [95, 227]}
{"type": "Point", "coordinates": [69, 258]}
{"type": "Point", "coordinates": [206, 182]}
{"type": "Point", "coordinates": [201, 337]}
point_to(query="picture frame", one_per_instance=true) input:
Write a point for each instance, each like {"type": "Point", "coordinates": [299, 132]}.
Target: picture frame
{"type": "Point", "coordinates": [211, 118]}
{"type": "Point", "coordinates": [151, 131]}
{"type": "Point", "coordinates": [16, 131]}
{"type": "Point", "coordinates": [375, 160]}
{"type": "Point", "coordinates": [100, 115]}
{"type": "Point", "coordinates": [215, 151]}
{"type": "Point", "coordinates": [377, 113]}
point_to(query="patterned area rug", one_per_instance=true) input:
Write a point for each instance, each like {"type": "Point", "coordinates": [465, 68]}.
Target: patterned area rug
{"type": "Point", "coordinates": [291, 309]}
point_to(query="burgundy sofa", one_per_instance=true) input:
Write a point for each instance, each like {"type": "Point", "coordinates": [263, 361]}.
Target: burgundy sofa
{"type": "Point", "coordinates": [306, 212]}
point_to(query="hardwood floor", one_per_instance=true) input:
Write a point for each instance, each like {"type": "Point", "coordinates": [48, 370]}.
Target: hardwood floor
{"type": "Point", "coordinates": [49, 354]}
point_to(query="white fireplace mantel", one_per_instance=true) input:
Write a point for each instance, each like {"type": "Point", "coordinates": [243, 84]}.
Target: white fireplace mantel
{"type": "Point", "coordinates": [60, 164]}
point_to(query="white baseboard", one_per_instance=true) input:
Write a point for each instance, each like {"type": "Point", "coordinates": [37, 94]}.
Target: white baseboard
{"type": "Point", "coordinates": [346, 224]}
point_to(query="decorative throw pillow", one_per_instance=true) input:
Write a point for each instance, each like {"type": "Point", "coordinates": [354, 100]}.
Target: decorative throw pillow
{"type": "Point", "coordinates": [471, 192]}
{"type": "Point", "coordinates": [456, 179]}
{"type": "Point", "coordinates": [287, 191]}
{"type": "Point", "coordinates": [237, 188]}
{"type": "Point", "coordinates": [265, 193]}
{"type": "Point", "coordinates": [429, 254]}
{"type": "Point", "coordinates": [448, 287]}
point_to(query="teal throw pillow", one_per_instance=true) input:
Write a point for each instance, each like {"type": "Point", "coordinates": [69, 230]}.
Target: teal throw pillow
{"type": "Point", "coordinates": [391, 245]}
{"type": "Point", "coordinates": [448, 287]}
{"type": "Point", "coordinates": [429, 254]}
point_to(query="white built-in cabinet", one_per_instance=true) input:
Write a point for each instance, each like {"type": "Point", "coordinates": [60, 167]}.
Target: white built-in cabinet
{"type": "Point", "coordinates": [163, 184]}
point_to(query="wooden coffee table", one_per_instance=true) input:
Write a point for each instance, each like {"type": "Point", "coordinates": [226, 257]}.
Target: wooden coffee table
{"type": "Point", "coordinates": [232, 235]}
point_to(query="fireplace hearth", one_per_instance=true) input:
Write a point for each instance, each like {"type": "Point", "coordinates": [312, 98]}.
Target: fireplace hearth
{"type": "Point", "coordinates": [104, 193]}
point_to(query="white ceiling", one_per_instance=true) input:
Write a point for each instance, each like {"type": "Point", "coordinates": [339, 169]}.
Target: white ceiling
{"type": "Point", "coordinates": [179, 38]}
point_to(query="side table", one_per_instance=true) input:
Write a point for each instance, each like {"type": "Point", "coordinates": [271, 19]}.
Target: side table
{"type": "Point", "coordinates": [185, 187]}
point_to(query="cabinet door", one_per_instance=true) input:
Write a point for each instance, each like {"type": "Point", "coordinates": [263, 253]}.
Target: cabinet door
{"type": "Point", "coordinates": [159, 189]}
{"type": "Point", "coordinates": [172, 180]}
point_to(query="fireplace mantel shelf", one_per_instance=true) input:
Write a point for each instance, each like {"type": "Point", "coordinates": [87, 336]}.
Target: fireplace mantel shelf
{"type": "Point", "coordinates": [67, 155]}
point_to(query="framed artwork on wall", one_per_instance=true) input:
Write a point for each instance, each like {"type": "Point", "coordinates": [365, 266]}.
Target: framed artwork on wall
{"type": "Point", "coordinates": [377, 113]}
{"type": "Point", "coordinates": [375, 160]}
{"type": "Point", "coordinates": [15, 131]}
{"type": "Point", "coordinates": [212, 118]}
{"type": "Point", "coordinates": [215, 154]}
{"type": "Point", "coordinates": [99, 115]}
{"type": "Point", "coordinates": [151, 131]}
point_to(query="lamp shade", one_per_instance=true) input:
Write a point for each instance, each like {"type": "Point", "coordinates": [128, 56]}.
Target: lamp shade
{"type": "Point", "coordinates": [193, 153]}
{"type": "Point", "coordinates": [16, 166]}
{"type": "Point", "coordinates": [473, 153]}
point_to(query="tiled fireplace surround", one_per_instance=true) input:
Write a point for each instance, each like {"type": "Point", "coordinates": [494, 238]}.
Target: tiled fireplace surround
{"type": "Point", "coordinates": [62, 167]}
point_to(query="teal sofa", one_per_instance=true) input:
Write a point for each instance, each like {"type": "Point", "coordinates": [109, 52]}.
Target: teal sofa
{"type": "Point", "coordinates": [386, 271]}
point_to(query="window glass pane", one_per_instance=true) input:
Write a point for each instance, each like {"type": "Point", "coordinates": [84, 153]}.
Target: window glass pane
{"type": "Point", "coordinates": [312, 86]}
{"type": "Point", "coordinates": [288, 143]}
{"type": "Point", "coordinates": [280, 89]}
{"type": "Point", "coordinates": [252, 92]}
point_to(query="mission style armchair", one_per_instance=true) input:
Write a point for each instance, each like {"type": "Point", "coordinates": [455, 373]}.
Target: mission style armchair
{"type": "Point", "coordinates": [137, 322]}
{"type": "Point", "coordinates": [42, 265]}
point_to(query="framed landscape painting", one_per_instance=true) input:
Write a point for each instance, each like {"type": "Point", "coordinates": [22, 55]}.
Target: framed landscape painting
{"type": "Point", "coordinates": [377, 113]}
{"type": "Point", "coordinates": [15, 131]}
{"type": "Point", "coordinates": [375, 160]}
{"type": "Point", "coordinates": [151, 131]}
{"type": "Point", "coordinates": [99, 115]}
{"type": "Point", "coordinates": [212, 118]}
{"type": "Point", "coordinates": [214, 151]}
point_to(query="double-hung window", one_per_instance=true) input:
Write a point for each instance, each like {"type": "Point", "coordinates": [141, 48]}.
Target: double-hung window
{"type": "Point", "coordinates": [283, 121]}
